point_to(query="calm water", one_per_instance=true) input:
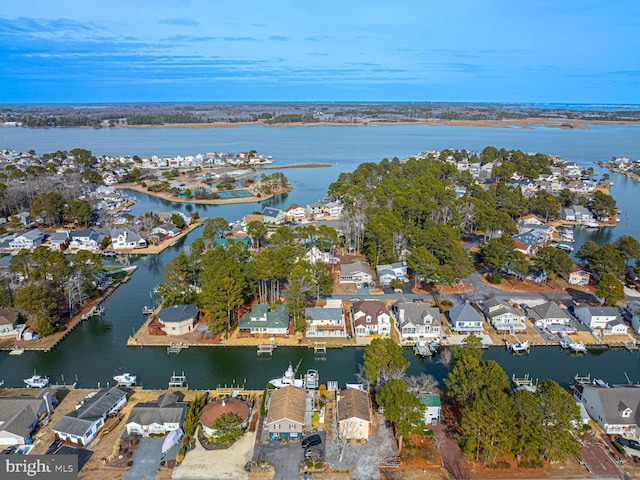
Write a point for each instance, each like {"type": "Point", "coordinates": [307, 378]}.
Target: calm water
{"type": "Point", "coordinates": [96, 350]}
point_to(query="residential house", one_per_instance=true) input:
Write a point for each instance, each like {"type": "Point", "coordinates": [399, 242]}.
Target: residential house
{"type": "Point", "coordinates": [295, 213]}
{"type": "Point", "coordinates": [316, 255]}
{"type": "Point", "coordinates": [387, 273]}
{"type": "Point", "coordinates": [464, 318]}
{"type": "Point", "coordinates": [549, 314]}
{"type": "Point", "coordinates": [20, 414]}
{"type": "Point", "coordinates": [261, 321]}
{"type": "Point", "coordinates": [615, 409]}
{"type": "Point", "coordinates": [287, 408]}
{"type": "Point", "coordinates": [325, 321]}
{"type": "Point", "coordinates": [178, 319]}
{"type": "Point", "coordinates": [417, 321]}
{"type": "Point", "coordinates": [370, 317]}
{"type": "Point", "coordinates": [59, 239]}
{"type": "Point", "coordinates": [530, 219]}
{"type": "Point", "coordinates": [333, 209]}
{"type": "Point", "coordinates": [577, 213]}
{"type": "Point", "coordinates": [533, 237]}
{"type": "Point", "coordinates": [125, 238]}
{"type": "Point", "coordinates": [356, 272]}
{"type": "Point", "coordinates": [606, 319]}
{"type": "Point", "coordinates": [24, 218]}
{"type": "Point", "coordinates": [353, 414]}
{"type": "Point", "coordinates": [213, 410]}
{"type": "Point", "coordinates": [315, 211]}
{"type": "Point", "coordinates": [578, 276]}
{"type": "Point", "coordinates": [12, 323]}
{"type": "Point", "coordinates": [28, 240]}
{"type": "Point", "coordinates": [226, 241]}
{"type": "Point", "coordinates": [166, 230]}
{"type": "Point", "coordinates": [503, 316]}
{"type": "Point", "coordinates": [432, 408]}
{"type": "Point", "coordinates": [272, 215]}
{"type": "Point", "coordinates": [82, 425]}
{"type": "Point", "coordinates": [85, 240]}
{"type": "Point", "coordinates": [631, 313]}
{"type": "Point", "coordinates": [160, 417]}
{"type": "Point", "coordinates": [528, 250]}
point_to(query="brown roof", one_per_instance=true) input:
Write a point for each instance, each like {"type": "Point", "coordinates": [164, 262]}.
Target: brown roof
{"type": "Point", "coordinates": [214, 410]}
{"type": "Point", "coordinates": [8, 316]}
{"type": "Point", "coordinates": [287, 402]}
{"type": "Point", "coordinates": [353, 403]}
{"type": "Point", "coordinates": [371, 308]}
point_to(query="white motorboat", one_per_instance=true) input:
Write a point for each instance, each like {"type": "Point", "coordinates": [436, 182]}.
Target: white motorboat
{"type": "Point", "coordinates": [126, 379]}
{"type": "Point", "coordinates": [288, 378]}
{"type": "Point", "coordinates": [578, 347]}
{"type": "Point", "coordinates": [518, 347]}
{"type": "Point", "coordinates": [591, 225]}
{"type": "Point", "coordinates": [37, 381]}
{"type": "Point", "coordinates": [422, 349]}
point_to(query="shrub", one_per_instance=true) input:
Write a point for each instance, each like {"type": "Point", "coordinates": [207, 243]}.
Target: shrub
{"type": "Point", "coordinates": [446, 303]}
{"type": "Point", "coordinates": [495, 277]}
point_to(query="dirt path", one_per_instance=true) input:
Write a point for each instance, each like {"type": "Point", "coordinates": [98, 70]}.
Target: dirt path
{"type": "Point", "coordinates": [450, 452]}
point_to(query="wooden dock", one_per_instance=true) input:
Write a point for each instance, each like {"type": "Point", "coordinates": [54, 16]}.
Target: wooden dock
{"type": "Point", "coordinates": [267, 348]}
{"type": "Point", "coordinates": [320, 348]}
{"type": "Point", "coordinates": [176, 347]}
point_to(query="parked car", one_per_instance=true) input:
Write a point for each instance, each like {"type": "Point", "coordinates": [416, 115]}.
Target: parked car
{"type": "Point", "coordinates": [626, 442]}
{"type": "Point", "coordinates": [311, 441]}
{"type": "Point", "coordinates": [313, 452]}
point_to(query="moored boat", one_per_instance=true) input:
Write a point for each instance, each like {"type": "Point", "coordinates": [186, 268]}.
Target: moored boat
{"type": "Point", "coordinates": [520, 347]}
{"type": "Point", "coordinates": [36, 381]}
{"type": "Point", "coordinates": [422, 349]}
{"type": "Point", "coordinates": [288, 378]}
{"type": "Point", "coordinates": [126, 379]}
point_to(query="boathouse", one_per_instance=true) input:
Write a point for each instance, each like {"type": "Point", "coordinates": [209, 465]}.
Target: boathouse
{"type": "Point", "coordinates": [178, 319]}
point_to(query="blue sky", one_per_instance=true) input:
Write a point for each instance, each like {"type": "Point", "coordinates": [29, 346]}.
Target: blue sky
{"type": "Point", "coordinates": [67, 51]}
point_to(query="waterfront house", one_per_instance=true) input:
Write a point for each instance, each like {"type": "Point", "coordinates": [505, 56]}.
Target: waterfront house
{"type": "Point", "coordinates": [578, 276]}
{"type": "Point", "coordinates": [606, 319]}
{"type": "Point", "coordinates": [465, 319]}
{"type": "Point", "coordinates": [576, 213]}
{"type": "Point", "coordinates": [272, 215]}
{"type": "Point", "coordinates": [85, 240]}
{"type": "Point", "coordinates": [503, 317]}
{"type": "Point", "coordinates": [326, 321]}
{"type": "Point", "coordinates": [28, 240]}
{"type": "Point", "coordinates": [178, 319]}
{"type": "Point", "coordinates": [287, 407]}
{"type": "Point", "coordinates": [631, 313]}
{"type": "Point", "coordinates": [81, 426]}
{"type": "Point", "coordinates": [615, 409]}
{"type": "Point", "coordinates": [166, 230]}
{"type": "Point", "coordinates": [315, 211]}
{"type": "Point", "coordinates": [549, 314]}
{"type": "Point", "coordinates": [356, 272]}
{"type": "Point", "coordinates": [333, 209]}
{"type": "Point", "coordinates": [533, 236]}
{"type": "Point", "coordinates": [353, 414]}
{"type": "Point", "coordinates": [432, 408]}
{"type": "Point", "coordinates": [261, 321]}
{"type": "Point", "coordinates": [213, 410]}
{"type": "Point", "coordinates": [12, 323]}
{"type": "Point", "coordinates": [20, 414]}
{"type": "Point", "coordinates": [388, 272]}
{"type": "Point", "coordinates": [125, 238]}
{"type": "Point", "coordinates": [528, 250]}
{"type": "Point", "coordinates": [160, 417]}
{"type": "Point", "coordinates": [417, 321]}
{"type": "Point", "coordinates": [295, 213]}
{"type": "Point", "coordinates": [59, 239]}
{"type": "Point", "coordinates": [370, 317]}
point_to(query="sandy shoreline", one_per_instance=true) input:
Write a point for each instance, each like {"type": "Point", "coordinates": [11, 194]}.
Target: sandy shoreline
{"type": "Point", "coordinates": [509, 123]}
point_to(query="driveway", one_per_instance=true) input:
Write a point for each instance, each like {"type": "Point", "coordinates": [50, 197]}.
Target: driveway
{"type": "Point", "coordinates": [146, 460]}
{"type": "Point", "coordinates": [285, 458]}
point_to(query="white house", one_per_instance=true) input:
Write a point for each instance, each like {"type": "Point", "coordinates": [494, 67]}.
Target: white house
{"type": "Point", "coordinates": [162, 416]}
{"type": "Point", "coordinates": [85, 240]}
{"type": "Point", "coordinates": [465, 318]}
{"type": "Point", "coordinates": [125, 238]}
{"type": "Point", "coordinates": [333, 209]}
{"type": "Point", "coordinates": [82, 425]}
{"type": "Point", "coordinates": [579, 276]}
{"type": "Point", "coordinates": [316, 255]}
{"type": "Point", "coordinates": [417, 321]}
{"type": "Point", "coordinates": [606, 319]}
{"type": "Point", "coordinates": [295, 213]}
{"type": "Point", "coordinates": [28, 240]}
{"type": "Point", "coordinates": [59, 239]}
{"type": "Point", "coordinates": [388, 272]}
{"type": "Point", "coordinates": [370, 317]}
{"type": "Point", "coordinates": [11, 323]}
{"type": "Point", "coordinates": [326, 321]}
{"type": "Point", "coordinates": [615, 409]}
{"type": "Point", "coordinates": [272, 215]}
{"type": "Point", "coordinates": [548, 314]}
{"type": "Point", "coordinates": [357, 272]}
{"type": "Point", "coordinates": [432, 408]}
{"type": "Point", "coordinates": [503, 316]}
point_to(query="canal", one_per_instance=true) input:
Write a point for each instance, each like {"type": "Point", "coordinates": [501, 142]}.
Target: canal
{"type": "Point", "coordinates": [96, 350]}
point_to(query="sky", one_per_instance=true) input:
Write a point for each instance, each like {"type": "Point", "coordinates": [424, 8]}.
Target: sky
{"type": "Point", "coordinates": [534, 51]}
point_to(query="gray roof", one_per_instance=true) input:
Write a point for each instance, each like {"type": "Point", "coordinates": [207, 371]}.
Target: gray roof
{"type": "Point", "coordinates": [548, 310]}
{"type": "Point", "coordinates": [178, 313]}
{"type": "Point", "coordinates": [600, 311]}
{"type": "Point", "coordinates": [19, 414]}
{"type": "Point", "coordinates": [167, 409]}
{"type": "Point", "coordinates": [96, 407]}
{"type": "Point", "coordinates": [415, 312]}
{"type": "Point", "coordinates": [316, 313]}
{"type": "Point", "coordinates": [464, 313]}
{"type": "Point", "coordinates": [610, 399]}
{"type": "Point", "coordinates": [32, 234]}
{"type": "Point", "coordinates": [61, 237]}
{"type": "Point", "coordinates": [353, 268]}
{"type": "Point", "coordinates": [494, 308]}
{"type": "Point", "coordinates": [131, 235]}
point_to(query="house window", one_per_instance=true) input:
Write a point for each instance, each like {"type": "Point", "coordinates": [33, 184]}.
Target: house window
{"type": "Point", "coordinates": [368, 319]}
{"type": "Point", "coordinates": [276, 426]}
{"type": "Point", "coordinates": [292, 426]}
